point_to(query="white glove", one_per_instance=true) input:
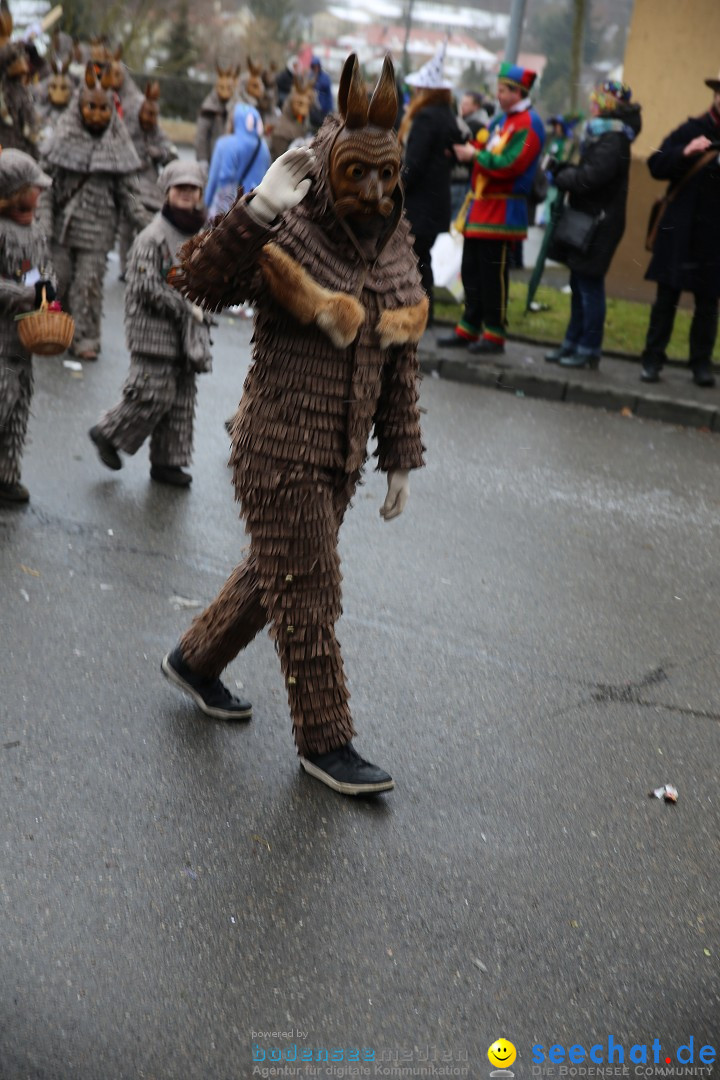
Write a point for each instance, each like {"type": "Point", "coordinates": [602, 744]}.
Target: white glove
{"type": "Point", "coordinates": [197, 313]}
{"type": "Point", "coordinates": [283, 185]}
{"type": "Point", "coordinates": [398, 494]}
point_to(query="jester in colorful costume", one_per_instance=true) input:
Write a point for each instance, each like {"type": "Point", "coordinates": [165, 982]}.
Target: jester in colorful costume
{"type": "Point", "coordinates": [495, 213]}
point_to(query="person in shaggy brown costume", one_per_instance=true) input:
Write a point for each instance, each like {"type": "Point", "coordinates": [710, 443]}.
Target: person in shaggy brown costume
{"type": "Point", "coordinates": [322, 250]}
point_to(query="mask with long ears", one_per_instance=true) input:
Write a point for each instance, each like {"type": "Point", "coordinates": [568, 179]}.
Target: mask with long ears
{"type": "Point", "coordinates": [95, 102]}
{"type": "Point", "coordinates": [19, 66]}
{"type": "Point", "coordinates": [226, 81]}
{"type": "Point", "coordinates": [255, 87]}
{"type": "Point", "coordinates": [301, 98]}
{"type": "Point", "coordinates": [150, 108]}
{"type": "Point", "coordinates": [115, 70]}
{"type": "Point", "coordinates": [59, 87]}
{"type": "Point", "coordinates": [365, 159]}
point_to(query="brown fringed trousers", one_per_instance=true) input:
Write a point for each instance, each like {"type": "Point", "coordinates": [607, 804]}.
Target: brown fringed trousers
{"type": "Point", "coordinates": [290, 580]}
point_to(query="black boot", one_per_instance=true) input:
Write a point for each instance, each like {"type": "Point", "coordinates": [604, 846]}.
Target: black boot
{"type": "Point", "coordinates": [106, 451]}
{"type": "Point", "coordinates": [170, 474]}
{"type": "Point", "coordinates": [345, 771]}
{"type": "Point", "coordinates": [13, 495]}
{"type": "Point", "coordinates": [703, 375]}
{"type": "Point", "coordinates": [211, 695]}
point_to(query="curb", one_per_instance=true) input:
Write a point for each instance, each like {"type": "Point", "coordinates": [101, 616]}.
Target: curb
{"type": "Point", "coordinates": [550, 387]}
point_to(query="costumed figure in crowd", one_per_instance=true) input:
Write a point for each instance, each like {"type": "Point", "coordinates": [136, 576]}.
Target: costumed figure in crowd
{"type": "Point", "coordinates": [18, 118]}
{"type": "Point", "coordinates": [168, 338]}
{"type": "Point", "coordinates": [293, 124]}
{"type": "Point", "coordinates": [54, 94]}
{"type": "Point", "coordinates": [127, 95]}
{"type": "Point", "coordinates": [257, 87]}
{"type": "Point", "coordinates": [239, 160]}
{"type": "Point", "coordinates": [94, 168]}
{"type": "Point", "coordinates": [495, 214]}
{"type": "Point", "coordinates": [154, 148]}
{"type": "Point", "coordinates": [322, 250]}
{"type": "Point", "coordinates": [215, 112]}
{"type": "Point", "coordinates": [428, 132]}
{"type": "Point", "coordinates": [25, 272]}
{"type": "Point", "coordinates": [598, 187]}
{"type": "Point", "coordinates": [686, 253]}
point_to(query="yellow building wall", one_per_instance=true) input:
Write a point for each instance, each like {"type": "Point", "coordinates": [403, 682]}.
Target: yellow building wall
{"type": "Point", "coordinates": [672, 47]}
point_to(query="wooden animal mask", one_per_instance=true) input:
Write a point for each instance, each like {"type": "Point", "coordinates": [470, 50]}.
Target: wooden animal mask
{"type": "Point", "coordinates": [301, 98]}
{"type": "Point", "coordinates": [365, 159]}
{"type": "Point", "coordinates": [59, 85]}
{"type": "Point", "coordinates": [95, 103]}
{"type": "Point", "coordinates": [226, 81]}
{"type": "Point", "coordinates": [150, 108]}
{"type": "Point", "coordinates": [255, 87]}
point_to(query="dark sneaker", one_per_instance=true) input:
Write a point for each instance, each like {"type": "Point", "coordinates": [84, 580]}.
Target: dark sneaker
{"type": "Point", "coordinates": [453, 341]}
{"type": "Point", "coordinates": [106, 451]}
{"type": "Point", "coordinates": [581, 360]}
{"type": "Point", "coordinates": [210, 694]}
{"type": "Point", "coordinates": [485, 347]}
{"type": "Point", "coordinates": [345, 771]}
{"type": "Point", "coordinates": [14, 494]}
{"type": "Point", "coordinates": [703, 376]}
{"type": "Point", "coordinates": [170, 474]}
{"type": "Point", "coordinates": [650, 373]}
{"type": "Point", "coordinates": [556, 355]}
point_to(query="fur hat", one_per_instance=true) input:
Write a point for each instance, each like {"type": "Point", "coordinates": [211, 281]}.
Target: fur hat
{"type": "Point", "coordinates": [518, 77]}
{"type": "Point", "coordinates": [19, 170]}
{"type": "Point", "coordinates": [179, 172]}
{"type": "Point", "coordinates": [430, 75]}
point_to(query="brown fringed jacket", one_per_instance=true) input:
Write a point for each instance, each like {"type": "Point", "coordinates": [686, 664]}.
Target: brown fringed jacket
{"type": "Point", "coordinates": [335, 344]}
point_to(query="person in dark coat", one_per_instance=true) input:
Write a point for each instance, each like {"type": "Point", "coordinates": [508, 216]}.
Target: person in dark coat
{"type": "Point", "coordinates": [598, 185]}
{"type": "Point", "coordinates": [686, 256]}
{"type": "Point", "coordinates": [428, 132]}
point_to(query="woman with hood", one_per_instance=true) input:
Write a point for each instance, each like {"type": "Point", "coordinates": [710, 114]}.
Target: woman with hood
{"type": "Point", "coordinates": [240, 159]}
{"type": "Point", "coordinates": [598, 186]}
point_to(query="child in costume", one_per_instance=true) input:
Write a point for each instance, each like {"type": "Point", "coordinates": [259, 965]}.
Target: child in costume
{"type": "Point", "coordinates": [24, 272]}
{"type": "Point", "coordinates": [323, 252]}
{"type": "Point", "coordinates": [154, 148]}
{"type": "Point", "coordinates": [168, 338]}
{"type": "Point", "coordinates": [94, 168]}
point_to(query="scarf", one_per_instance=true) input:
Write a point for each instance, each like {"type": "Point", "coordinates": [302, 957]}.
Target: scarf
{"type": "Point", "coordinates": [186, 221]}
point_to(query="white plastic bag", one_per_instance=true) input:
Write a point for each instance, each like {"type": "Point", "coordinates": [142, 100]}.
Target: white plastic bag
{"type": "Point", "coordinates": [446, 256]}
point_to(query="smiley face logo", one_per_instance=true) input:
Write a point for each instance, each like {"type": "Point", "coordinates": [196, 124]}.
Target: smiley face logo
{"type": "Point", "coordinates": [501, 1054]}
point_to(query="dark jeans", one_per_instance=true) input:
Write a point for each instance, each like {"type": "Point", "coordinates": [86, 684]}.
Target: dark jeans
{"type": "Point", "coordinates": [587, 315]}
{"type": "Point", "coordinates": [485, 281]}
{"type": "Point", "coordinates": [422, 245]}
{"type": "Point", "coordinates": [703, 330]}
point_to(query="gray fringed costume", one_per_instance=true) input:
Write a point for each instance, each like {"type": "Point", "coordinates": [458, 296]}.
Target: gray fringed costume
{"type": "Point", "coordinates": [335, 356]}
{"type": "Point", "coordinates": [22, 248]}
{"type": "Point", "coordinates": [212, 122]}
{"type": "Point", "coordinates": [168, 346]}
{"type": "Point", "coordinates": [154, 149]}
{"type": "Point", "coordinates": [94, 178]}
{"type": "Point", "coordinates": [18, 118]}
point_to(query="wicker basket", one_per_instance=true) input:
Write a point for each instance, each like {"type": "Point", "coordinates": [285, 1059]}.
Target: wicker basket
{"type": "Point", "coordinates": [44, 332]}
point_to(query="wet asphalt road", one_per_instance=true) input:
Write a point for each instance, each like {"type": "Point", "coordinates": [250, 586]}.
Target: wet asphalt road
{"type": "Point", "coordinates": [531, 648]}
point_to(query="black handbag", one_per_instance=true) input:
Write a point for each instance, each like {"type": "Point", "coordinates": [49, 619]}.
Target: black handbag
{"type": "Point", "coordinates": [576, 229]}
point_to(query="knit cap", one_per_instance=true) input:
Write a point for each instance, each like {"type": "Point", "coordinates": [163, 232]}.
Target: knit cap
{"type": "Point", "coordinates": [19, 170]}
{"type": "Point", "coordinates": [179, 172]}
